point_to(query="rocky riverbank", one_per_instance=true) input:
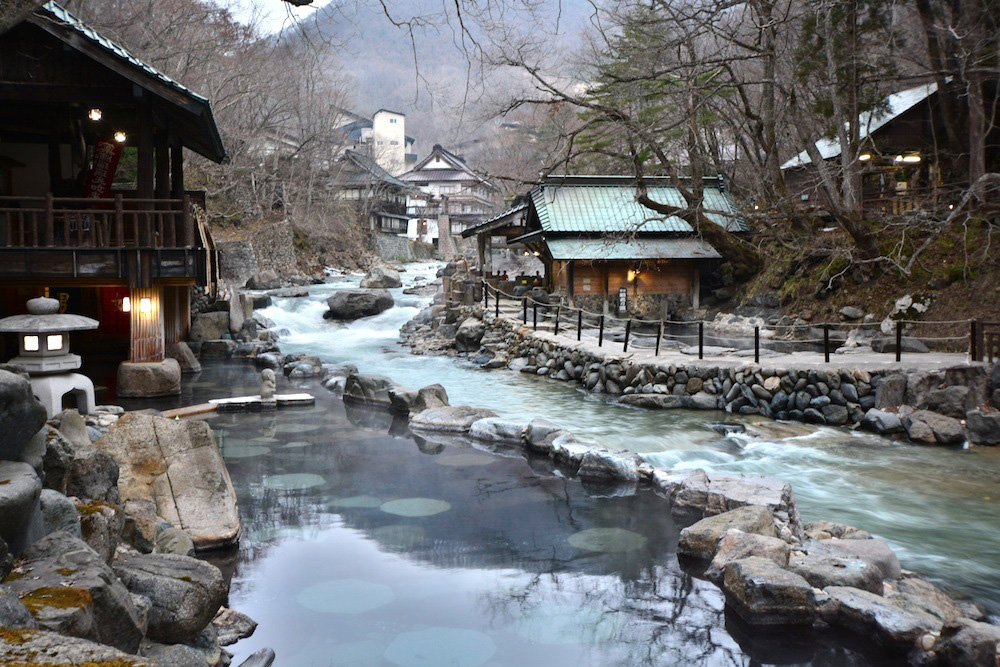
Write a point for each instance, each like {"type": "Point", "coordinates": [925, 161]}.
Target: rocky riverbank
{"type": "Point", "coordinates": [950, 406]}
{"type": "Point", "coordinates": [100, 519]}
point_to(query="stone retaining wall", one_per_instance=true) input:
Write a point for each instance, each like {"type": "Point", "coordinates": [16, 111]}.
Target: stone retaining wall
{"type": "Point", "coordinates": [391, 247]}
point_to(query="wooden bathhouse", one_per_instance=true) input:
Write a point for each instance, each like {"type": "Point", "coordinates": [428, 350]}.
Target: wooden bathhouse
{"type": "Point", "coordinates": [93, 207]}
{"type": "Point", "coordinates": [604, 251]}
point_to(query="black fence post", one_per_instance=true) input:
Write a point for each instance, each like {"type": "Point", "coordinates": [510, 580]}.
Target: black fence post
{"type": "Point", "coordinates": [701, 340]}
{"type": "Point", "coordinates": [534, 315]}
{"type": "Point", "coordinates": [498, 301]}
{"type": "Point", "coordinates": [973, 340]}
{"type": "Point", "coordinates": [558, 315]}
{"type": "Point", "coordinates": [524, 310]}
{"type": "Point", "coordinates": [486, 295]}
{"type": "Point", "coordinates": [600, 334]}
{"type": "Point", "coordinates": [628, 330]}
{"type": "Point", "coordinates": [756, 345]}
{"type": "Point", "coordinates": [659, 336]}
{"type": "Point", "coordinates": [899, 340]}
{"type": "Point", "coordinates": [826, 342]}
{"type": "Point", "coordinates": [579, 324]}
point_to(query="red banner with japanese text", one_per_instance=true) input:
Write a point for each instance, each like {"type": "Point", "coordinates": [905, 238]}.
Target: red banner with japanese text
{"type": "Point", "coordinates": [107, 153]}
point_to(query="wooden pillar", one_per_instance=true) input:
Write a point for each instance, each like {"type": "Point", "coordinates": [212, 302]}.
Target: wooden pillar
{"type": "Point", "coordinates": [169, 220]}
{"type": "Point", "coordinates": [569, 281]}
{"type": "Point", "coordinates": [696, 285]}
{"type": "Point", "coordinates": [176, 168]}
{"type": "Point", "coordinates": [146, 339]}
{"type": "Point", "coordinates": [481, 251]}
{"type": "Point", "coordinates": [488, 258]}
{"type": "Point", "coordinates": [604, 287]}
{"type": "Point", "coordinates": [144, 150]}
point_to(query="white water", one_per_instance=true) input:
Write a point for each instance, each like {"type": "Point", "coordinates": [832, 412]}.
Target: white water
{"type": "Point", "coordinates": [939, 508]}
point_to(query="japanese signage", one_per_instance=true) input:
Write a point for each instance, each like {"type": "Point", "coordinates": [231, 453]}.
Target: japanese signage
{"type": "Point", "coordinates": [622, 299]}
{"type": "Point", "coordinates": [102, 173]}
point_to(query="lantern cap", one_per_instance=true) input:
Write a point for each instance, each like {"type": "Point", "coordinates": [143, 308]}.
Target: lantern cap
{"type": "Point", "coordinates": [44, 317]}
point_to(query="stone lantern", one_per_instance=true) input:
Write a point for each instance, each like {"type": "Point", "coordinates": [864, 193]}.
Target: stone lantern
{"type": "Point", "coordinates": [43, 350]}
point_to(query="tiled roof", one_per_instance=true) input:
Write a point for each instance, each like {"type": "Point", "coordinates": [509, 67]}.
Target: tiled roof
{"type": "Point", "coordinates": [870, 122]}
{"type": "Point", "coordinates": [496, 221]}
{"type": "Point", "coordinates": [367, 171]}
{"type": "Point", "coordinates": [634, 248]}
{"type": "Point", "coordinates": [611, 208]}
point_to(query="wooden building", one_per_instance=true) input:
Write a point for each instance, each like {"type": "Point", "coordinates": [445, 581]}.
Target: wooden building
{"type": "Point", "coordinates": [605, 252]}
{"type": "Point", "coordinates": [93, 208]}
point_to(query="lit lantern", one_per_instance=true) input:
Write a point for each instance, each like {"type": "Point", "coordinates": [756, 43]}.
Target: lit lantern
{"type": "Point", "coordinates": [43, 351]}
{"type": "Point", "coordinates": [95, 115]}
{"type": "Point", "coordinates": [145, 305]}
{"type": "Point", "coordinates": [126, 305]}
{"type": "Point", "coordinates": [120, 137]}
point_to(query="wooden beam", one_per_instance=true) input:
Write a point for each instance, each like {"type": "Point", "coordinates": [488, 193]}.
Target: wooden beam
{"type": "Point", "coordinates": [60, 93]}
{"type": "Point", "coordinates": [176, 168]}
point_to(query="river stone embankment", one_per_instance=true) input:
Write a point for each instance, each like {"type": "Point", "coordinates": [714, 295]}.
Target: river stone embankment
{"type": "Point", "coordinates": [743, 532]}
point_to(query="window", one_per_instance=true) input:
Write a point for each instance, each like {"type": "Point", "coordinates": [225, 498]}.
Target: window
{"type": "Point", "coordinates": [392, 120]}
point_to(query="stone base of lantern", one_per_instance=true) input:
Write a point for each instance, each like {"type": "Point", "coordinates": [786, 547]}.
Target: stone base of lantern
{"type": "Point", "coordinates": [149, 378]}
{"type": "Point", "coordinates": [50, 389]}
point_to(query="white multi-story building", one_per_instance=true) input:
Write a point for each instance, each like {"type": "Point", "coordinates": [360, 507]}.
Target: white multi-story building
{"type": "Point", "coordinates": [383, 137]}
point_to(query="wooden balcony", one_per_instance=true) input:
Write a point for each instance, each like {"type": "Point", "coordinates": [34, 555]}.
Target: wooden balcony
{"type": "Point", "coordinates": [121, 239]}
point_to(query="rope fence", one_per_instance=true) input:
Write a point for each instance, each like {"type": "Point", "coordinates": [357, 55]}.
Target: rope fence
{"type": "Point", "coordinates": [983, 338]}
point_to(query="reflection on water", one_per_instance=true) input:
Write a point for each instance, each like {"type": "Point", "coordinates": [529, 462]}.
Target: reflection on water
{"type": "Point", "coordinates": [361, 548]}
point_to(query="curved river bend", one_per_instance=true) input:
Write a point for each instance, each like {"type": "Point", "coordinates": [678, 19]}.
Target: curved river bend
{"type": "Point", "coordinates": [938, 508]}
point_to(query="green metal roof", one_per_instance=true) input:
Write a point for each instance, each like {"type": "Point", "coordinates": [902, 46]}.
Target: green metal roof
{"type": "Point", "coordinates": [634, 248]}
{"type": "Point", "coordinates": [612, 208]}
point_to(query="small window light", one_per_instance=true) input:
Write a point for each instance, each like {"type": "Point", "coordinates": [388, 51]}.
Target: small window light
{"type": "Point", "coordinates": [54, 342]}
{"type": "Point", "coordinates": [31, 343]}
{"type": "Point", "coordinates": [95, 114]}
{"type": "Point", "coordinates": [951, 207]}
{"type": "Point", "coordinates": [864, 157]}
{"type": "Point", "coordinates": [126, 305]}
{"type": "Point", "coordinates": [120, 137]}
{"type": "Point", "coordinates": [911, 159]}
{"type": "Point", "coordinates": [145, 305]}
{"type": "Point", "coordinates": [899, 158]}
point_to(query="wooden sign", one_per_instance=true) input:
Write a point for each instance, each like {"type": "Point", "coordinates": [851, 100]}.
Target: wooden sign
{"type": "Point", "coordinates": [622, 300]}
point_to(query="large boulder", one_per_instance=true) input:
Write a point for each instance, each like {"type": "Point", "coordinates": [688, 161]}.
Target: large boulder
{"type": "Point", "coordinates": [59, 513]}
{"type": "Point", "coordinates": [13, 614]}
{"type": "Point", "coordinates": [701, 540]}
{"type": "Point", "coordinates": [381, 277]}
{"type": "Point", "coordinates": [69, 589]}
{"type": "Point", "coordinates": [101, 526]}
{"type": "Point", "coordinates": [177, 466]}
{"type": "Point", "coordinates": [469, 334]}
{"type": "Point", "coordinates": [240, 310]}
{"type": "Point", "coordinates": [351, 304]}
{"type": "Point", "coordinates": [826, 569]}
{"type": "Point", "coordinates": [369, 389]}
{"type": "Point", "coordinates": [495, 429]}
{"type": "Point", "coordinates": [73, 466]}
{"type": "Point", "coordinates": [212, 325]}
{"type": "Point", "coordinates": [185, 592]}
{"type": "Point", "coordinates": [452, 418]}
{"type": "Point", "coordinates": [874, 616]}
{"type": "Point", "coordinates": [266, 279]}
{"type": "Point", "coordinates": [539, 434]}
{"type": "Point", "coordinates": [20, 516]}
{"type": "Point", "coordinates": [762, 593]}
{"type": "Point", "coordinates": [930, 428]}
{"type": "Point", "coordinates": [182, 354]}
{"type": "Point", "coordinates": [882, 422]}
{"type": "Point", "coordinates": [983, 427]}
{"type": "Point", "coordinates": [907, 345]}
{"type": "Point", "coordinates": [966, 642]}
{"type": "Point", "coordinates": [149, 378]}
{"type": "Point", "coordinates": [876, 553]}
{"type": "Point", "coordinates": [21, 415]}
{"type": "Point", "coordinates": [233, 626]}
{"type": "Point", "coordinates": [23, 647]}
{"type": "Point", "coordinates": [237, 262]}
{"type": "Point", "coordinates": [736, 545]}
{"type": "Point", "coordinates": [608, 466]}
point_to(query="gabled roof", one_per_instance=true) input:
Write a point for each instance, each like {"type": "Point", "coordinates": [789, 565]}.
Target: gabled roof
{"type": "Point", "coordinates": [363, 170]}
{"type": "Point", "coordinates": [607, 205]}
{"type": "Point", "coordinates": [639, 248]}
{"type": "Point", "coordinates": [870, 122]}
{"type": "Point", "coordinates": [511, 215]}
{"type": "Point", "coordinates": [459, 171]}
{"type": "Point", "coordinates": [60, 23]}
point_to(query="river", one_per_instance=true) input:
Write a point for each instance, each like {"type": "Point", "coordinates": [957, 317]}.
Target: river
{"type": "Point", "coordinates": [937, 507]}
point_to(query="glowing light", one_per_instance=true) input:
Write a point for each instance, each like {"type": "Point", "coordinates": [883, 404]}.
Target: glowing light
{"type": "Point", "coordinates": [899, 158]}
{"type": "Point", "coordinates": [951, 207]}
{"type": "Point", "coordinates": [95, 114]}
{"type": "Point", "coordinates": [537, 253]}
{"type": "Point", "coordinates": [145, 305]}
{"type": "Point", "coordinates": [31, 343]}
{"type": "Point", "coordinates": [54, 342]}
{"type": "Point", "coordinates": [911, 159]}
{"type": "Point", "coordinates": [126, 305]}
{"type": "Point", "coordinates": [864, 157]}
{"type": "Point", "coordinates": [120, 137]}
{"type": "Point", "coordinates": [631, 275]}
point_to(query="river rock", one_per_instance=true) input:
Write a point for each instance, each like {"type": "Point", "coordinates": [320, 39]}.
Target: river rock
{"type": "Point", "coordinates": [495, 429]}
{"type": "Point", "coordinates": [173, 540]}
{"type": "Point", "coordinates": [176, 465]}
{"type": "Point", "coordinates": [368, 389]}
{"type": "Point", "coordinates": [569, 452]}
{"type": "Point", "coordinates": [181, 352]}
{"type": "Point", "coordinates": [882, 422]}
{"type": "Point", "coordinates": [983, 427]}
{"type": "Point", "coordinates": [408, 401]}
{"type": "Point", "coordinates": [930, 428]}
{"type": "Point", "coordinates": [701, 540]}
{"type": "Point", "coordinates": [20, 517]}
{"type": "Point", "coordinates": [875, 552]}
{"type": "Point", "coordinates": [601, 464]}
{"type": "Point", "coordinates": [824, 569]}
{"type": "Point", "coordinates": [656, 401]}
{"type": "Point", "coordinates": [453, 418]}
{"type": "Point", "coordinates": [69, 589]}
{"type": "Point", "coordinates": [266, 279]}
{"type": "Point", "coordinates": [23, 647]}
{"type": "Point", "coordinates": [73, 466]}
{"type": "Point", "coordinates": [211, 325]}
{"type": "Point", "coordinates": [262, 658]}
{"type": "Point", "coordinates": [908, 345]}
{"type": "Point", "coordinates": [21, 415]}
{"type": "Point", "coordinates": [351, 304]}
{"type": "Point", "coordinates": [736, 544]}
{"type": "Point", "coordinates": [540, 433]}
{"type": "Point", "coordinates": [469, 334]}
{"type": "Point", "coordinates": [762, 593]}
{"type": "Point", "coordinates": [185, 592]}
{"type": "Point", "coordinates": [101, 526]}
{"type": "Point", "coordinates": [966, 642]}
{"type": "Point", "coordinates": [874, 616]}
{"type": "Point", "coordinates": [381, 277]}
{"type": "Point", "coordinates": [233, 626]}
{"type": "Point", "coordinates": [13, 614]}
{"type": "Point", "coordinates": [147, 379]}
{"type": "Point", "coordinates": [172, 655]}
{"type": "Point", "coordinates": [696, 494]}
{"type": "Point", "coordinates": [851, 314]}
{"type": "Point", "coordinates": [835, 415]}
{"type": "Point", "coordinates": [824, 530]}
{"type": "Point", "coordinates": [915, 593]}
{"type": "Point", "coordinates": [240, 310]}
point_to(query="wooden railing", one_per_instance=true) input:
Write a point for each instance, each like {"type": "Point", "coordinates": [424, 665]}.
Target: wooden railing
{"type": "Point", "coordinates": [119, 222]}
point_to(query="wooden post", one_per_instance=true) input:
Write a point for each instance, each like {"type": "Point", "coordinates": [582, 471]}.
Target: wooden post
{"type": "Point", "coordinates": [558, 315]}
{"type": "Point", "coordinates": [826, 343]}
{"type": "Point", "coordinates": [497, 295]}
{"type": "Point", "coordinates": [169, 223]}
{"type": "Point", "coordinates": [579, 324]}
{"type": "Point", "coordinates": [146, 339]}
{"type": "Point", "coordinates": [756, 345]}
{"type": "Point", "coordinates": [50, 229]}
{"type": "Point", "coordinates": [701, 340]}
{"type": "Point", "coordinates": [524, 310]}
{"type": "Point", "coordinates": [119, 221]}
{"type": "Point", "coordinates": [973, 342]}
{"type": "Point", "coordinates": [187, 215]}
{"type": "Point", "coordinates": [600, 335]}
{"type": "Point", "coordinates": [534, 315]}
{"type": "Point", "coordinates": [659, 337]}
{"type": "Point", "coordinates": [628, 330]}
{"type": "Point", "coordinates": [899, 341]}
